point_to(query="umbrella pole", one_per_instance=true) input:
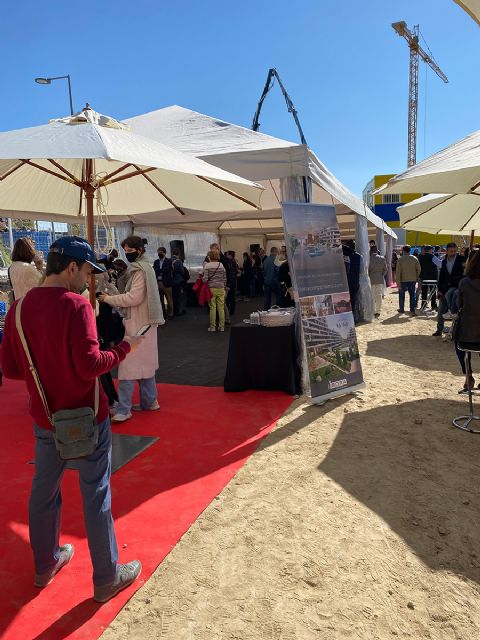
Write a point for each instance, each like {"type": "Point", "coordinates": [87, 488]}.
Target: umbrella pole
{"type": "Point", "coordinates": [89, 195]}
{"type": "Point", "coordinates": [472, 239]}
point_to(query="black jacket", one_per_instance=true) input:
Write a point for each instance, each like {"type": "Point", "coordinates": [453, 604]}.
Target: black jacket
{"type": "Point", "coordinates": [165, 274]}
{"type": "Point", "coordinates": [448, 280]}
{"type": "Point", "coordinates": [428, 268]}
{"type": "Point", "coordinates": [469, 303]}
{"type": "Point", "coordinates": [352, 267]}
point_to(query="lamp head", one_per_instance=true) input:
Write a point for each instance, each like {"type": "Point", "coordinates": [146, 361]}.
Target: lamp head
{"type": "Point", "coordinates": [43, 80]}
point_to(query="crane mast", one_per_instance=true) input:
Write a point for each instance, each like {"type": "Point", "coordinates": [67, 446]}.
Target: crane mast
{"type": "Point", "coordinates": [416, 52]}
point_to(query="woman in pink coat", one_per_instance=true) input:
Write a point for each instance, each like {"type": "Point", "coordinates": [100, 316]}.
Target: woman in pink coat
{"type": "Point", "coordinates": [140, 306]}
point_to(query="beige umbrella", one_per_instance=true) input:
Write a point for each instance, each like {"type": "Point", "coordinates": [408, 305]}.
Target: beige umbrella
{"type": "Point", "coordinates": [472, 7]}
{"type": "Point", "coordinates": [443, 213]}
{"type": "Point", "coordinates": [57, 172]}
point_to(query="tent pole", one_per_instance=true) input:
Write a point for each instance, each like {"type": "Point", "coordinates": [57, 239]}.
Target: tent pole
{"type": "Point", "coordinates": [89, 195]}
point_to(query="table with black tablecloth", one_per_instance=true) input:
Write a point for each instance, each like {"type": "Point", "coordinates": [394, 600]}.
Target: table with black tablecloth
{"type": "Point", "coordinates": [262, 358]}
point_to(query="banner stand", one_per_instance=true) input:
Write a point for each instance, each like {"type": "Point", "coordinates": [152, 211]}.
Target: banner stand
{"type": "Point", "coordinates": [330, 357]}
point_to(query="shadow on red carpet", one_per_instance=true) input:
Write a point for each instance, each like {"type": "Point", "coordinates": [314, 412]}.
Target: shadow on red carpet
{"type": "Point", "coordinates": [205, 436]}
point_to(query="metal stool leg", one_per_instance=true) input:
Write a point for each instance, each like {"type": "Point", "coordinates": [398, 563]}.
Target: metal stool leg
{"type": "Point", "coordinates": [463, 422]}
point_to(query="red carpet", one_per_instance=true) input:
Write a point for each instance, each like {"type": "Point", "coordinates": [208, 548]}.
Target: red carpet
{"type": "Point", "coordinates": [205, 437]}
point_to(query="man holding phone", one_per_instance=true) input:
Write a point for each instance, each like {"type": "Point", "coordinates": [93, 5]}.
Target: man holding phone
{"type": "Point", "coordinates": [60, 331]}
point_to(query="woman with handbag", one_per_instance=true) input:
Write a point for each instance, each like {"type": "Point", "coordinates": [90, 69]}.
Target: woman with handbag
{"type": "Point", "coordinates": [467, 326]}
{"type": "Point", "coordinates": [215, 276]}
{"type": "Point", "coordinates": [140, 304]}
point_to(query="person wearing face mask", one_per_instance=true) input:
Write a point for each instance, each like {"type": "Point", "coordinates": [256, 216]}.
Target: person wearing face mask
{"type": "Point", "coordinates": [140, 306]}
{"type": "Point", "coordinates": [164, 272]}
{"type": "Point", "coordinates": [59, 328]}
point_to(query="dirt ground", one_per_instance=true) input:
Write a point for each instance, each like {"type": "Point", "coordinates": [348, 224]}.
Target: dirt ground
{"type": "Point", "coordinates": [356, 519]}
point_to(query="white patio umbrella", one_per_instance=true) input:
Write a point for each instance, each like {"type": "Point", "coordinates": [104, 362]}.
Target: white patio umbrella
{"type": "Point", "coordinates": [455, 169]}
{"type": "Point", "coordinates": [56, 171]}
{"type": "Point", "coordinates": [443, 213]}
{"type": "Point", "coordinates": [472, 7]}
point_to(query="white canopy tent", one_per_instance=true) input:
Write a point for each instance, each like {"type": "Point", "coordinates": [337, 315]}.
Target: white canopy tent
{"type": "Point", "coordinates": [280, 166]}
{"type": "Point", "coordinates": [257, 157]}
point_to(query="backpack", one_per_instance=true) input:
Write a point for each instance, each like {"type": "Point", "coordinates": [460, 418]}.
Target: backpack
{"type": "Point", "coordinates": [186, 274]}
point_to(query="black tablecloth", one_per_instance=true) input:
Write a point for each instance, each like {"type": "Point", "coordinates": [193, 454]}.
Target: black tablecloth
{"type": "Point", "coordinates": [262, 358]}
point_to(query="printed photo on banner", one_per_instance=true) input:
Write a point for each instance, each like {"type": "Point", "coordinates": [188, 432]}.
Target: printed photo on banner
{"type": "Point", "coordinates": [332, 352]}
{"type": "Point", "coordinates": [317, 306]}
{"type": "Point", "coordinates": [313, 247]}
{"type": "Point", "coordinates": [341, 302]}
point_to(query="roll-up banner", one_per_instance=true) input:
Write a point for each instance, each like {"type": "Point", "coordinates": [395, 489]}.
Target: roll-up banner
{"type": "Point", "coordinates": [319, 279]}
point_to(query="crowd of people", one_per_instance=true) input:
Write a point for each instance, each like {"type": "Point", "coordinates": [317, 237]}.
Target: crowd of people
{"type": "Point", "coordinates": [259, 275]}
{"type": "Point", "coordinates": [449, 285]}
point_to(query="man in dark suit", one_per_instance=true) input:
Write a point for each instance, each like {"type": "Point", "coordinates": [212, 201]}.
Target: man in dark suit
{"type": "Point", "coordinates": [451, 272]}
{"type": "Point", "coordinates": [164, 272]}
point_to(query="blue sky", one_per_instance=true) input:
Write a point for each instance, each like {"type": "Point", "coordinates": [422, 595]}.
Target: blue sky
{"type": "Point", "coordinates": [343, 65]}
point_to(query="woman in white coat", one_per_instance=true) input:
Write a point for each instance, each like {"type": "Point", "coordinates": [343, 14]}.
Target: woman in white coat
{"type": "Point", "coordinates": [22, 273]}
{"type": "Point", "coordinates": [140, 305]}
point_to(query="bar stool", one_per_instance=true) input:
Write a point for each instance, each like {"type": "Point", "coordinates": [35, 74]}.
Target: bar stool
{"type": "Point", "coordinates": [431, 292]}
{"type": "Point", "coordinates": [463, 422]}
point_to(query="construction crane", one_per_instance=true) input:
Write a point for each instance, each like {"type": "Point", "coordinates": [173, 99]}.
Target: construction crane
{"type": "Point", "coordinates": [416, 52]}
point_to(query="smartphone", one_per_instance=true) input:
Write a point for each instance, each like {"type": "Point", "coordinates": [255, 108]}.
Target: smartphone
{"type": "Point", "coordinates": [143, 330]}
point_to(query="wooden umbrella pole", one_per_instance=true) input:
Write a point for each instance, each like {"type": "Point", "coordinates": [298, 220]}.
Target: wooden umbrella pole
{"type": "Point", "coordinates": [472, 239]}
{"type": "Point", "coordinates": [89, 195]}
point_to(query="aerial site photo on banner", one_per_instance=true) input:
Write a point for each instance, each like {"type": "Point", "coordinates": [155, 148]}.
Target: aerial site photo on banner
{"type": "Point", "coordinates": [319, 276]}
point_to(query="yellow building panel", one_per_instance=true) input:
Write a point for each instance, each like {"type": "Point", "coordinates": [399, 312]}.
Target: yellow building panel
{"type": "Point", "coordinates": [379, 181]}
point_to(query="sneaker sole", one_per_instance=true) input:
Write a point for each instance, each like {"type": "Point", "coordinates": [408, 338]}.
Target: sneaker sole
{"type": "Point", "coordinates": [117, 591]}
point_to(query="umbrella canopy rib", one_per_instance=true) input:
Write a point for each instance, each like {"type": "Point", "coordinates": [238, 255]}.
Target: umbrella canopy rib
{"type": "Point", "coordinates": [9, 173]}
{"type": "Point", "coordinates": [67, 173]}
{"type": "Point", "coordinates": [231, 193]}
{"type": "Point", "coordinates": [117, 171]}
{"type": "Point", "coordinates": [155, 186]}
{"type": "Point", "coordinates": [132, 174]}
{"type": "Point", "coordinates": [52, 173]}
{"type": "Point", "coordinates": [471, 218]}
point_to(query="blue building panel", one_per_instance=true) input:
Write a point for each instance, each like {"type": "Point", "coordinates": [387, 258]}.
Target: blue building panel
{"type": "Point", "coordinates": [388, 212]}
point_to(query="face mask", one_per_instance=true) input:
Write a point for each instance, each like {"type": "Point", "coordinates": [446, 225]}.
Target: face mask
{"type": "Point", "coordinates": [131, 257]}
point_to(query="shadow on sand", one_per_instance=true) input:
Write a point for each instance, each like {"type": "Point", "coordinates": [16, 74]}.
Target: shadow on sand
{"type": "Point", "coordinates": [422, 479]}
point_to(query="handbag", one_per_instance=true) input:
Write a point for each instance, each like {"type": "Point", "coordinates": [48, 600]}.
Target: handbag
{"type": "Point", "coordinates": [75, 431]}
{"type": "Point", "coordinates": [198, 284]}
{"type": "Point", "coordinates": [456, 327]}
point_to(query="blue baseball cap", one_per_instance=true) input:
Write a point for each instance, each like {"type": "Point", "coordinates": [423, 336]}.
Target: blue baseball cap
{"type": "Point", "coordinates": [78, 248]}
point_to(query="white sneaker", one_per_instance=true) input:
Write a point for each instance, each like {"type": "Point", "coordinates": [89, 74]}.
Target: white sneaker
{"type": "Point", "coordinates": [121, 417]}
{"type": "Point", "coordinates": [447, 316]}
{"type": "Point", "coordinates": [221, 328]}
{"type": "Point", "coordinates": [154, 407]}
{"type": "Point", "coordinates": [211, 329]}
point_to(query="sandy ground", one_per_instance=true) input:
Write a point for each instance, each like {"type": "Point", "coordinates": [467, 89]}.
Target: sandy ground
{"type": "Point", "coordinates": [357, 519]}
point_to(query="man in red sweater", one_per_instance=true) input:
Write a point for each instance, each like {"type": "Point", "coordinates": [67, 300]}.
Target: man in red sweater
{"type": "Point", "coordinates": [59, 327]}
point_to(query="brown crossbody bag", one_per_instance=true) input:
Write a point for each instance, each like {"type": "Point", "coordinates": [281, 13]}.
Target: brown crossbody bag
{"type": "Point", "coordinates": [75, 431]}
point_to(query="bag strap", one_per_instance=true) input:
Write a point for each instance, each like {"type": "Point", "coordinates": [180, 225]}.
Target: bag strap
{"type": "Point", "coordinates": [213, 274]}
{"type": "Point", "coordinates": [34, 371]}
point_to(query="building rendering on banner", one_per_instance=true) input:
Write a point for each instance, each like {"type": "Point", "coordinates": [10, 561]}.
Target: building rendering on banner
{"type": "Point", "coordinates": [319, 335]}
{"type": "Point", "coordinates": [385, 207]}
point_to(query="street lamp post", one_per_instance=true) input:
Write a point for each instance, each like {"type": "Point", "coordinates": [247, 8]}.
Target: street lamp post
{"type": "Point", "coordinates": [49, 81]}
